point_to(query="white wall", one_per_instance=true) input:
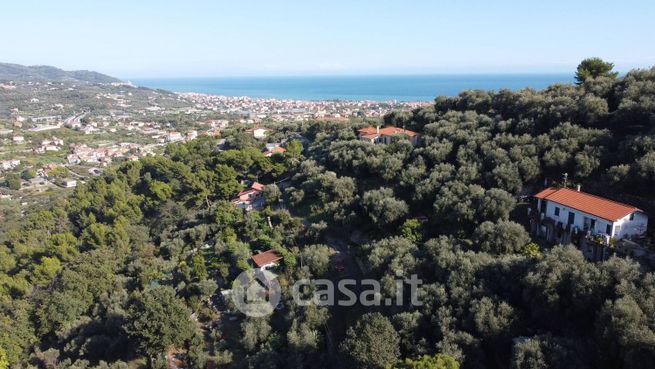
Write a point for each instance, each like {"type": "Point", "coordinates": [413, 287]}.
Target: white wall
{"type": "Point", "coordinates": [636, 226]}
{"type": "Point", "coordinates": [627, 227]}
{"type": "Point", "coordinates": [600, 227]}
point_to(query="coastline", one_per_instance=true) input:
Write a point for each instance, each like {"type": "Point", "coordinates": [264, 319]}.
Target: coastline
{"type": "Point", "coordinates": [410, 88]}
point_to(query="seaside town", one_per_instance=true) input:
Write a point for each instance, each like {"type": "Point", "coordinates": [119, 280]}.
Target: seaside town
{"type": "Point", "coordinates": [51, 141]}
{"type": "Point", "coordinates": [279, 110]}
{"type": "Point", "coordinates": [327, 185]}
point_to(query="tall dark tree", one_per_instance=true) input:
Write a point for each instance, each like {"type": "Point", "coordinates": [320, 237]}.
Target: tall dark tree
{"type": "Point", "coordinates": [594, 68]}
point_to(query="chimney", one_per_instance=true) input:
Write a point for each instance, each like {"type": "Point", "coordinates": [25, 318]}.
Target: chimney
{"type": "Point", "coordinates": [577, 188]}
{"type": "Point", "coordinates": [377, 129]}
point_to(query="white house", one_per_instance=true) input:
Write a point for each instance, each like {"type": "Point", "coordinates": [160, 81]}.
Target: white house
{"type": "Point", "coordinates": [9, 164]}
{"type": "Point", "coordinates": [174, 136]}
{"type": "Point", "coordinates": [69, 183]}
{"type": "Point", "coordinates": [258, 132]}
{"type": "Point", "coordinates": [591, 213]}
{"type": "Point", "coordinates": [191, 135]}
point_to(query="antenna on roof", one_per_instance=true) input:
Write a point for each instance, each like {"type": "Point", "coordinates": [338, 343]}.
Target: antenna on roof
{"type": "Point", "coordinates": [566, 177]}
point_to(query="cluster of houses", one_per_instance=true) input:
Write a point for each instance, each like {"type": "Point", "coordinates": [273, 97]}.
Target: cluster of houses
{"type": "Point", "coordinates": [9, 164]}
{"type": "Point", "coordinates": [49, 144]}
{"type": "Point", "coordinates": [83, 153]}
{"type": "Point", "coordinates": [175, 136]}
{"type": "Point", "coordinates": [255, 110]}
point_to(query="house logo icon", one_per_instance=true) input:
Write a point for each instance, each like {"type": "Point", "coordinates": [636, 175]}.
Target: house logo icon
{"type": "Point", "coordinates": [256, 292]}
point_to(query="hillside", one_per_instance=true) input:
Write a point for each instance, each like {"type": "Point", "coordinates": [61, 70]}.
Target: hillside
{"type": "Point", "coordinates": [48, 91]}
{"type": "Point", "coordinates": [16, 72]}
{"type": "Point", "coordinates": [133, 267]}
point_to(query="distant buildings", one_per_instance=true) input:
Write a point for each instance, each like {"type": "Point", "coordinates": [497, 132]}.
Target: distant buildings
{"type": "Point", "coordinates": [275, 150]}
{"type": "Point", "coordinates": [219, 123]}
{"type": "Point", "coordinates": [51, 144]}
{"type": "Point", "coordinates": [252, 198]}
{"type": "Point", "coordinates": [174, 136]}
{"type": "Point", "coordinates": [85, 154]}
{"type": "Point", "coordinates": [45, 127]}
{"type": "Point", "coordinates": [213, 132]}
{"type": "Point", "coordinates": [69, 183]}
{"type": "Point", "coordinates": [385, 135]}
{"type": "Point", "coordinates": [254, 110]}
{"type": "Point", "coordinates": [191, 135]}
{"type": "Point", "coordinates": [87, 130]}
{"type": "Point", "coordinates": [18, 139]}
{"type": "Point", "coordinates": [9, 164]}
{"type": "Point", "coordinates": [258, 132]}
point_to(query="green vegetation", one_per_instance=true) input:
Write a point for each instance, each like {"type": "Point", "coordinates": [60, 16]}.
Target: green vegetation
{"type": "Point", "coordinates": [45, 73]}
{"type": "Point", "coordinates": [372, 342]}
{"type": "Point", "coordinates": [12, 181]}
{"type": "Point", "coordinates": [594, 68]}
{"type": "Point", "coordinates": [128, 268]}
{"type": "Point", "coordinates": [439, 361]}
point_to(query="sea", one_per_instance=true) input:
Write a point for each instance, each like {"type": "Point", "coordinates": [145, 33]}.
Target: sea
{"type": "Point", "coordinates": [375, 88]}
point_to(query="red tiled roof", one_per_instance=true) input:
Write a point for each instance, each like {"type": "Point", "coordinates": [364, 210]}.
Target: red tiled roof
{"type": "Point", "coordinates": [266, 257]}
{"type": "Point", "coordinates": [386, 131]}
{"type": "Point", "coordinates": [275, 150]}
{"type": "Point", "coordinates": [590, 204]}
{"type": "Point", "coordinates": [390, 131]}
{"type": "Point", "coordinates": [368, 130]}
{"type": "Point", "coordinates": [543, 194]}
{"type": "Point", "coordinates": [257, 186]}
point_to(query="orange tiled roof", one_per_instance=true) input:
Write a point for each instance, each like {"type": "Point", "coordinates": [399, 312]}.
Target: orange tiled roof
{"type": "Point", "coordinates": [390, 131]}
{"type": "Point", "coordinates": [590, 204]}
{"type": "Point", "coordinates": [266, 257]}
{"type": "Point", "coordinates": [368, 130]}
{"type": "Point", "coordinates": [257, 186]}
{"type": "Point", "coordinates": [386, 131]}
{"type": "Point", "coordinates": [276, 150]}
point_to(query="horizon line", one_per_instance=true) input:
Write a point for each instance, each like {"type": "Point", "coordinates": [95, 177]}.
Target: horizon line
{"type": "Point", "coordinates": [440, 74]}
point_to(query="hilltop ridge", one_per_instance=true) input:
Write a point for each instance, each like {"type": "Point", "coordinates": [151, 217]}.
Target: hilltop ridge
{"type": "Point", "coordinates": [19, 72]}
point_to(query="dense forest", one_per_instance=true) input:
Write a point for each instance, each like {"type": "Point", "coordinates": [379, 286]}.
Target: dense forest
{"type": "Point", "coordinates": [128, 269]}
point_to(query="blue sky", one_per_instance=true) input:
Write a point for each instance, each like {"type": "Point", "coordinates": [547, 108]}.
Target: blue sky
{"type": "Point", "coordinates": [166, 38]}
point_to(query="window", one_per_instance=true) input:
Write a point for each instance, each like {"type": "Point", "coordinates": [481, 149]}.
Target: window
{"type": "Point", "coordinates": [608, 229]}
{"type": "Point", "coordinates": [632, 216]}
{"type": "Point", "coordinates": [556, 211]}
{"type": "Point", "coordinates": [571, 217]}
